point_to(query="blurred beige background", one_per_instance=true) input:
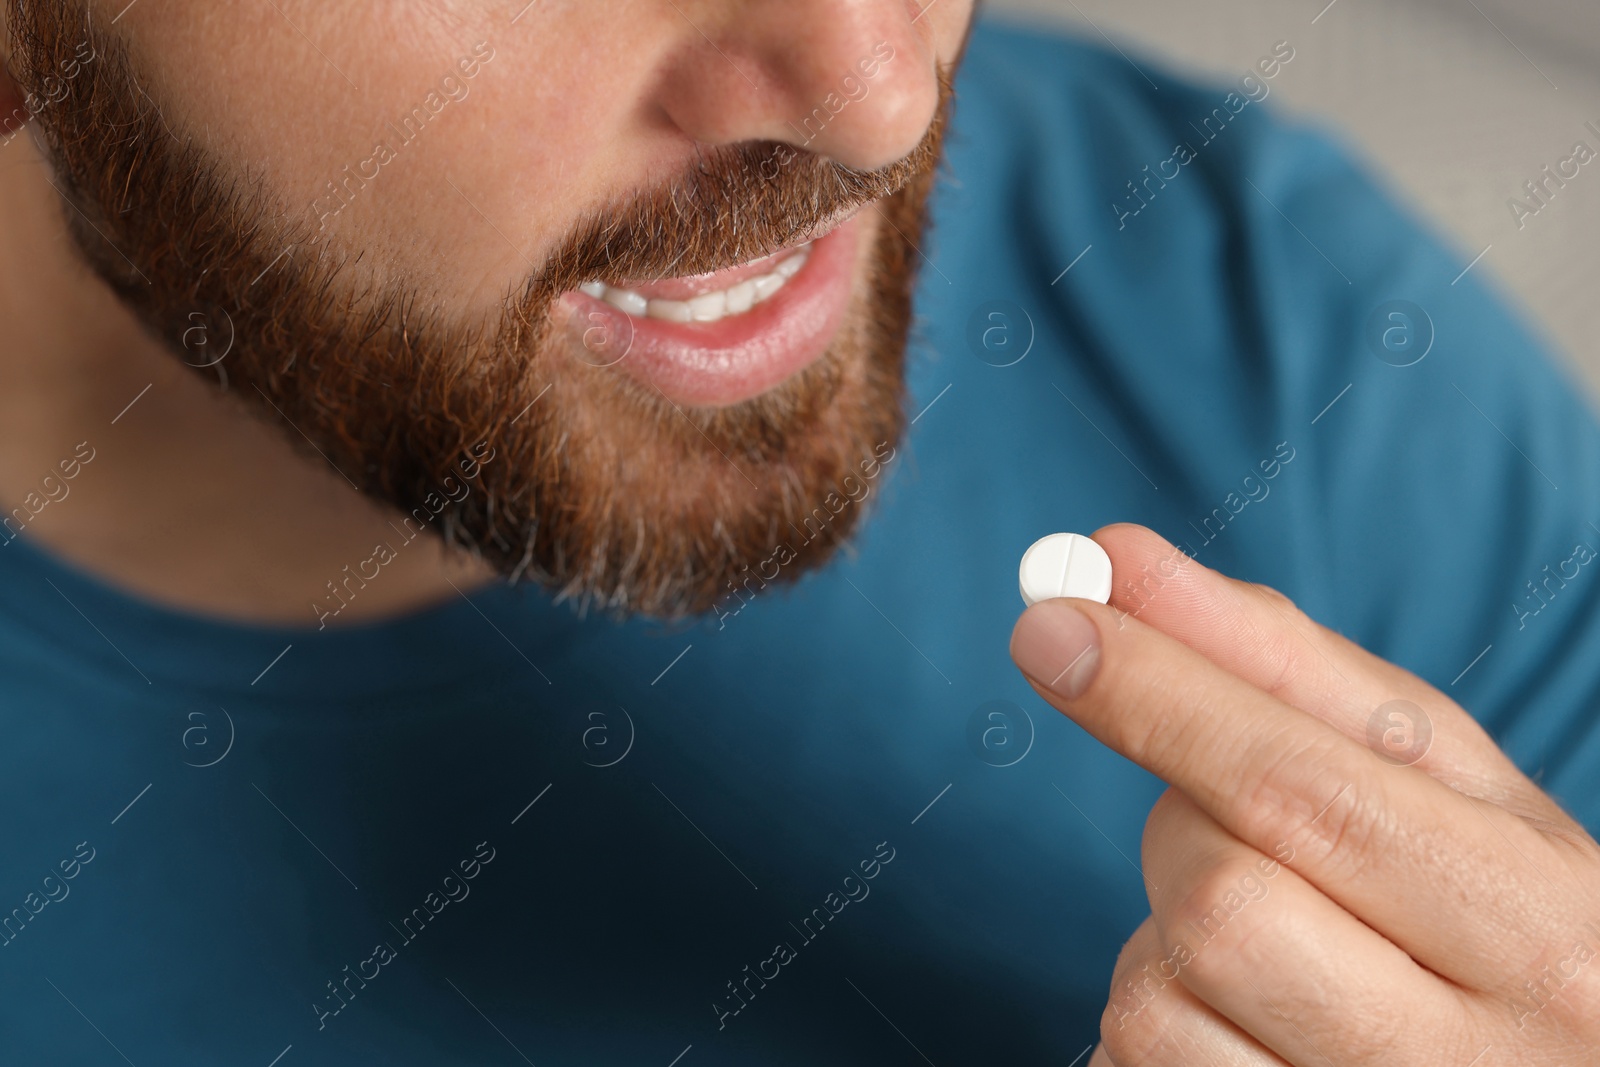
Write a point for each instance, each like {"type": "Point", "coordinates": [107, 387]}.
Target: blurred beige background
{"type": "Point", "coordinates": [1456, 102]}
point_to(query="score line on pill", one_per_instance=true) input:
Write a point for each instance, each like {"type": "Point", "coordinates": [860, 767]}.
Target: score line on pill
{"type": "Point", "coordinates": [1064, 564]}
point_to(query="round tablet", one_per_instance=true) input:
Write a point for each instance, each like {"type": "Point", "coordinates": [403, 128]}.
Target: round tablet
{"type": "Point", "coordinates": [1065, 564]}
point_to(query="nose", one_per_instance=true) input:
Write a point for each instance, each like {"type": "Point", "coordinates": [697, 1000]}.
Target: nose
{"type": "Point", "coordinates": [853, 80]}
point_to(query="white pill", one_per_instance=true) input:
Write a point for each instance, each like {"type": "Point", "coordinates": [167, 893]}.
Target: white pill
{"type": "Point", "coordinates": [1065, 564]}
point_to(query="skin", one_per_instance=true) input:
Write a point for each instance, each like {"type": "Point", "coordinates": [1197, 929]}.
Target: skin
{"type": "Point", "coordinates": [163, 511]}
{"type": "Point", "coordinates": [1407, 905]}
{"type": "Point", "coordinates": [1371, 910]}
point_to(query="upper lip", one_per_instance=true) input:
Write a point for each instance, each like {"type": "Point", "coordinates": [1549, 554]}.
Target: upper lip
{"type": "Point", "coordinates": [829, 223]}
{"type": "Point", "coordinates": [819, 229]}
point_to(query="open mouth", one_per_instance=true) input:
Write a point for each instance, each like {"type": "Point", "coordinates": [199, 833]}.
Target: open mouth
{"type": "Point", "coordinates": [706, 297]}
{"type": "Point", "coordinates": [719, 338]}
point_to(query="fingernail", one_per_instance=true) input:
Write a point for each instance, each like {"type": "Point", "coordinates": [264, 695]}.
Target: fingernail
{"type": "Point", "coordinates": [1057, 646]}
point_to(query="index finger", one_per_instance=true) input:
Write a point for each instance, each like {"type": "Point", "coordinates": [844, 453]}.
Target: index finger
{"type": "Point", "coordinates": [1392, 845]}
{"type": "Point", "coordinates": [1261, 636]}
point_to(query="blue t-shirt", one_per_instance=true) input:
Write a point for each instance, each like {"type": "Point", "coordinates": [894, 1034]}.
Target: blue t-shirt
{"type": "Point", "coordinates": [834, 825]}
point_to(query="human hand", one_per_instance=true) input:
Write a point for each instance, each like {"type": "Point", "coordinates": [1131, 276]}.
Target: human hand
{"type": "Point", "coordinates": [1317, 898]}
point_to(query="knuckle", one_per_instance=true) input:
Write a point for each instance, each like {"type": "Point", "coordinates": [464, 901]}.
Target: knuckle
{"type": "Point", "coordinates": [1169, 815]}
{"type": "Point", "coordinates": [1582, 851]}
{"type": "Point", "coordinates": [1142, 1036]}
{"type": "Point", "coordinates": [1275, 598]}
{"type": "Point", "coordinates": [1209, 915]}
{"type": "Point", "coordinates": [1562, 996]}
{"type": "Point", "coordinates": [1353, 831]}
{"type": "Point", "coordinates": [1288, 644]}
{"type": "Point", "coordinates": [1580, 1014]}
{"type": "Point", "coordinates": [1282, 656]}
{"type": "Point", "coordinates": [1240, 936]}
{"type": "Point", "coordinates": [1172, 806]}
{"type": "Point", "coordinates": [1365, 1035]}
{"type": "Point", "coordinates": [1307, 796]}
{"type": "Point", "coordinates": [1137, 1022]}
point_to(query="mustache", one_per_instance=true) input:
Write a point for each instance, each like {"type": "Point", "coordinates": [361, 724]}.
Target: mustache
{"type": "Point", "coordinates": [730, 204]}
{"type": "Point", "coordinates": [389, 386]}
{"type": "Point", "coordinates": [733, 203]}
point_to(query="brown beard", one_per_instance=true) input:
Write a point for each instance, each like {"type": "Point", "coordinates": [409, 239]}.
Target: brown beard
{"type": "Point", "coordinates": [495, 435]}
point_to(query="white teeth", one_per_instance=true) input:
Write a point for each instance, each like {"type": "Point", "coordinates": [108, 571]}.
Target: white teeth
{"type": "Point", "coordinates": [622, 299]}
{"type": "Point", "coordinates": [671, 310]}
{"type": "Point", "coordinates": [766, 285]}
{"type": "Point", "coordinates": [741, 297]}
{"type": "Point", "coordinates": [708, 307]}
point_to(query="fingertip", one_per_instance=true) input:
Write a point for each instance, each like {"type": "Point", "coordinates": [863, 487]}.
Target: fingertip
{"type": "Point", "coordinates": [1112, 533]}
{"type": "Point", "coordinates": [1152, 572]}
{"type": "Point", "coordinates": [1129, 542]}
{"type": "Point", "coordinates": [1136, 549]}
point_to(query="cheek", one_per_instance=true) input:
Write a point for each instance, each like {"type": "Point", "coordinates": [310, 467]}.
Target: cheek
{"type": "Point", "coordinates": [347, 116]}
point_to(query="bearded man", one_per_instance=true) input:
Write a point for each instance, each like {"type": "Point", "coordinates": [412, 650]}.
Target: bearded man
{"type": "Point", "coordinates": [511, 522]}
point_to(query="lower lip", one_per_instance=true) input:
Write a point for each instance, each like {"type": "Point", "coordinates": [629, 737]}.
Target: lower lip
{"type": "Point", "coordinates": [714, 364]}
